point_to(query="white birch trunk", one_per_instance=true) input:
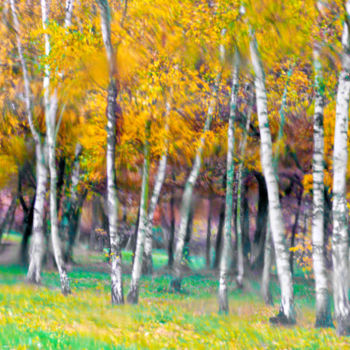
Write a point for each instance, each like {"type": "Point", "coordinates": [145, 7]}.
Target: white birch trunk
{"type": "Point", "coordinates": [51, 105]}
{"type": "Point", "coordinates": [153, 204]}
{"type": "Point", "coordinates": [226, 254]}
{"type": "Point", "coordinates": [133, 294]}
{"type": "Point", "coordinates": [340, 240]}
{"type": "Point", "coordinates": [115, 239]}
{"type": "Point", "coordinates": [287, 313]}
{"type": "Point", "coordinates": [37, 246]}
{"type": "Point", "coordinates": [323, 310]}
{"type": "Point", "coordinates": [56, 241]}
{"type": "Point", "coordinates": [37, 242]}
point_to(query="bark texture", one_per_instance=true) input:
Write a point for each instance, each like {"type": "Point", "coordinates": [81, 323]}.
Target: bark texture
{"type": "Point", "coordinates": [340, 239]}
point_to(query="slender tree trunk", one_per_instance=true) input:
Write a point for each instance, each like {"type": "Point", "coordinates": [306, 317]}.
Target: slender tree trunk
{"type": "Point", "coordinates": [266, 275]}
{"type": "Point", "coordinates": [73, 228]}
{"type": "Point", "coordinates": [133, 294]}
{"type": "Point", "coordinates": [294, 231]}
{"type": "Point", "coordinates": [340, 239]}
{"type": "Point", "coordinates": [189, 230]}
{"type": "Point", "coordinates": [208, 240]}
{"type": "Point", "coordinates": [10, 212]}
{"type": "Point", "coordinates": [147, 261]}
{"type": "Point", "coordinates": [240, 211]}
{"type": "Point", "coordinates": [148, 264]}
{"type": "Point", "coordinates": [218, 242]}
{"type": "Point", "coordinates": [323, 307]}
{"type": "Point", "coordinates": [261, 224]}
{"type": "Point", "coordinates": [56, 241]}
{"type": "Point", "coordinates": [37, 243]}
{"type": "Point", "coordinates": [172, 228]}
{"type": "Point", "coordinates": [28, 221]}
{"type": "Point", "coordinates": [246, 226]}
{"type": "Point", "coordinates": [38, 240]}
{"type": "Point", "coordinates": [287, 312]}
{"type": "Point", "coordinates": [113, 112]}
{"type": "Point", "coordinates": [51, 103]}
{"type": "Point", "coordinates": [71, 207]}
{"type": "Point", "coordinates": [226, 254]}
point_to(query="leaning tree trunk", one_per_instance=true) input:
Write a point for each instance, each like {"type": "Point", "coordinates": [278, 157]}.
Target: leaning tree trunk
{"type": "Point", "coordinates": [133, 294]}
{"type": "Point", "coordinates": [147, 259]}
{"type": "Point", "coordinates": [226, 254]}
{"type": "Point", "coordinates": [148, 264]}
{"type": "Point", "coordinates": [187, 197]}
{"type": "Point", "coordinates": [113, 112]}
{"type": "Point", "coordinates": [287, 313]}
{"type": "Point", "coordinates": [340, 239]}
{"type": "Point", "coordinates": [323, 308]}
{"type": "Point", "coordinates": [240, 212]}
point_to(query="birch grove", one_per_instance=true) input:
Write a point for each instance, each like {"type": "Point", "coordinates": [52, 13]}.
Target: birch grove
{"type": "Point", "coordinates": [217, 126]}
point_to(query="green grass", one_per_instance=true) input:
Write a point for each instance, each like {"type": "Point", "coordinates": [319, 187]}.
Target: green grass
{"type": "Point", "coordinates": [41, 318]}
{"type": "Point", "coordinates": [12, 237]}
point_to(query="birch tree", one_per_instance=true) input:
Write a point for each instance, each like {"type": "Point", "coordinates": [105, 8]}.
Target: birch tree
{"type": "Point", "coordinates": [159, 180]}
{"type": "Point", "coordinates": [117, 296]}
{"type": "Point", "coordinates": [340, 239]}
{"type": "Point", "coordinates": [175, 283]}
{"type": "Point", "coordinates": [51, 107]}
{"type": "Point", "coordinates": [37, 246]}
{"type": "Point", "coordinates": [323, 308]}
{"type": "Point", "coordinates": [286, 313]}
{"type": "Point", "coordinates": [143, 225]}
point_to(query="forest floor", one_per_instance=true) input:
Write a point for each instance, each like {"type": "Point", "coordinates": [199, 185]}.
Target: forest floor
{"type": "Point", "coordinates": [34, 317]}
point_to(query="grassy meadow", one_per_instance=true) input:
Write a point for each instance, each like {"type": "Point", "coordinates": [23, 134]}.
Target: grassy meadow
{"type": "Point", "coordinates": [41, 318]}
